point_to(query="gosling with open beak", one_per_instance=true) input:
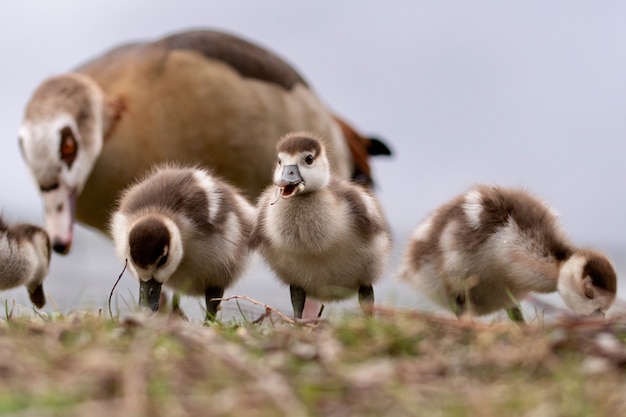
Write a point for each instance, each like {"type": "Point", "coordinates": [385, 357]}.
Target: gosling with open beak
{"type": "Point", "coordinates": [326, 237]}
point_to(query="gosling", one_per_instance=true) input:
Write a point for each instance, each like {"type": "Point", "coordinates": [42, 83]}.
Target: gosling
{"type": "Point", "coordinates": [322, 236]}
{"type": "Point", "coordinates": [186, 229]}
{"type": "Point", "coordinates": [24, 259]}
{"type": "Point", "coordinates": [490, 247]}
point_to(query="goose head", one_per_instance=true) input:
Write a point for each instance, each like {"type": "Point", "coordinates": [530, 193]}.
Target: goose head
{"type": "Point", "coordinates": [587, 283]}
{"type": "Point", "coordinates": [61, 139]}
{"type": "Point", "coordinates": [302, 165]}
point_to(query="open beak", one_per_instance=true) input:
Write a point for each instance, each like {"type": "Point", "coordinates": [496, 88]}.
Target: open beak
{"type": "Point", "coordinates": [150, 294]}
{"type": "Point", "coordinates": [290, 181]}
{"type": "Point", "coordinates": [60, 207]}
{"type": "Point", "coordinates": [37, 296]}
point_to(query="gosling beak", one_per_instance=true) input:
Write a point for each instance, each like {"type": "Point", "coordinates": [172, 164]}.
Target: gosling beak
{"type": "Point", "coordinates": [150, 294]}
{"type": "Point", "coordinates": [290, 182]}
{"type": "Point", "coordinates": [37, 296]}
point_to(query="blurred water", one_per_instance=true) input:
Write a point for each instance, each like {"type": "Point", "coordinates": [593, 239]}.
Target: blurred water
{"type": "Point", "coordinates": [83, 280]}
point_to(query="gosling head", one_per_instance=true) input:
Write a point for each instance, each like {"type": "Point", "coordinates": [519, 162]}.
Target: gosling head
{"type": "Point", "coordinates": [154, 251]}
{"type": "Point", "coordinates": [61, 138]}
{"type": "Point", "coordinates": [36, 246]}
{"type": "Point", "coordinates": [587, 283]}
{"type": "Point", "coordinates": [302, 165]}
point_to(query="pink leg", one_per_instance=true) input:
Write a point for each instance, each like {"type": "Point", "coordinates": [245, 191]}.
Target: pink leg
{"type": "Point", "coordinates": [311, 308]}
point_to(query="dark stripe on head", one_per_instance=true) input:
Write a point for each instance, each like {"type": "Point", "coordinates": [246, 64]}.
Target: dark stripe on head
{"type": "Point", "coordinates": [62, 92]}
{"type": "Point", "coordinates": [248, 59]}
{"type": "Point", "coordinates": [295, 143]}
{"type": "Point", "coordinates": [170, 190]}
{"type": "Point", "coordinates": [602, 274]}
{"type": "Point", "coordinates": [147, 241]}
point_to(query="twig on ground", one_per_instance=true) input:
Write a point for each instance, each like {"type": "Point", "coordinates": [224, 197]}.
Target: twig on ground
{"type": "Point", "coordinates": [271, 310]}
{"type": "Point", "coordinates": [8, 313]}
{"type": "Point", "coordinates": [268, 313]}
{"type": "Point", "coordinates": [113, 289]}
{"type": "Point", "coordinates": [267, 307]}
{"type": "Point", "coordinates": [54, 306]}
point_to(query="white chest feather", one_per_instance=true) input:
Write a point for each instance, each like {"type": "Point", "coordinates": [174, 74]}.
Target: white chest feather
{"type": "Point", "coordinates": [304, 224]}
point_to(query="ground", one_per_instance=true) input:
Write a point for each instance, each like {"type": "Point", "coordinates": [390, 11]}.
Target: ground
{"type": "Point", "coordinates": [401, 363]}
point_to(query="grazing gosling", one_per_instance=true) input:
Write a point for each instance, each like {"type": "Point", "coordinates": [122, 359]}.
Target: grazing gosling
{"type": "Point", "coordinates": [491, 246]}
{"type": "Point", "coordinates": [323, 236]}
{"type": "Point", "coordinates": [24, 259]}
{"type": "Point", "coordinates": [186, 229]}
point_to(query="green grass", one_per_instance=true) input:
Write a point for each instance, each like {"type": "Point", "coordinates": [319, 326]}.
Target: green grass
{"type": "Point", "coordinates": [399, 364]}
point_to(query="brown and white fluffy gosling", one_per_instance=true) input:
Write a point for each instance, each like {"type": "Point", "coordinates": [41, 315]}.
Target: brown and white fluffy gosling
{"type": "Point", "coordinates": [24, 259]}
{"type": "Point", "coordinates": [491, 246]}
{"type": "Point", "coordinates": [186, 229]}
{"type": "Point", "coordinates": [323, 236]}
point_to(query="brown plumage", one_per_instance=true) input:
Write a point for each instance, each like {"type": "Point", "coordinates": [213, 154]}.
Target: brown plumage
{"type": "Point", "coordinates": [491, 246]}
{"type": "Point", "coordinates": [183, 228]}
{"type": "Point", "coordinates": [201, 97]}
{"type": "Point", "coordinates": [24, 259]}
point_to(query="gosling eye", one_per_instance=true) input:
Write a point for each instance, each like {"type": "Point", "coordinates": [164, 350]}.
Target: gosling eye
{"type": "Point", "coordinates": [308, 159]}
{"type": "Point", "coordinates": [162, 261]}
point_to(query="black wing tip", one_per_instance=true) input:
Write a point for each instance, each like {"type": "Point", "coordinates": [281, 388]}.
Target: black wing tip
{"type": "Point", "coordinates": [378, 146]}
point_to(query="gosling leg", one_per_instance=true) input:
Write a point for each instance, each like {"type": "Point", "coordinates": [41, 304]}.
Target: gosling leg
{"type": "Point", "coordinates": [177, 310]}
{"type": "Point", "coordinates": [212, 305]}
{"type": "Point", "coordinates": [366, 299]}
{"type": "Point", "coordinates": [298, 297]}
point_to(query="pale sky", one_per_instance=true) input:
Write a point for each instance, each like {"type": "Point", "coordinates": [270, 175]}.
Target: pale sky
{"type": "Point", "coordinates": [528, 94]}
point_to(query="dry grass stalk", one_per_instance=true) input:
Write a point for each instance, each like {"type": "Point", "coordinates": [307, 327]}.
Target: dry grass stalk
{"type": "Point", "coordinates": [269, 310]}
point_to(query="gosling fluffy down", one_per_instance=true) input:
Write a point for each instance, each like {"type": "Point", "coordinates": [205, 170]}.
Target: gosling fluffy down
{"type": "Point", "coordinates": [24, 259]}
{"type": "Point", "coordinates": [323, 236]}
{"type": "Point", "coordinates": [491, 246]}
{"type": "Point", "coordinates": [186, 229]}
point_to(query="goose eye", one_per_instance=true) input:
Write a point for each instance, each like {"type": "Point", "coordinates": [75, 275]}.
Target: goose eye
{"type": "Point", "coordinates": [162, 261]}
{"type": "Point", "coordinates": [68, 146]}
{"type": "Point", "coordinates": [308, 159]}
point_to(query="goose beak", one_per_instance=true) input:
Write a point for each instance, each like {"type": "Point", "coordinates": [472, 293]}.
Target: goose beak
{"type": "Point", "coordinates": [60, 208]}
{"type": "Point", "coordinates": [37, 296]}
{"type": "Point", "coordinates": [290, 182]}
{"type": "Point", "coordinates": [150, 294]}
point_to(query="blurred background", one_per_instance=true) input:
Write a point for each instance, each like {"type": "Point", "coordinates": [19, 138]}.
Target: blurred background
{"type": "Point", "coordinates": [529, 94]}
